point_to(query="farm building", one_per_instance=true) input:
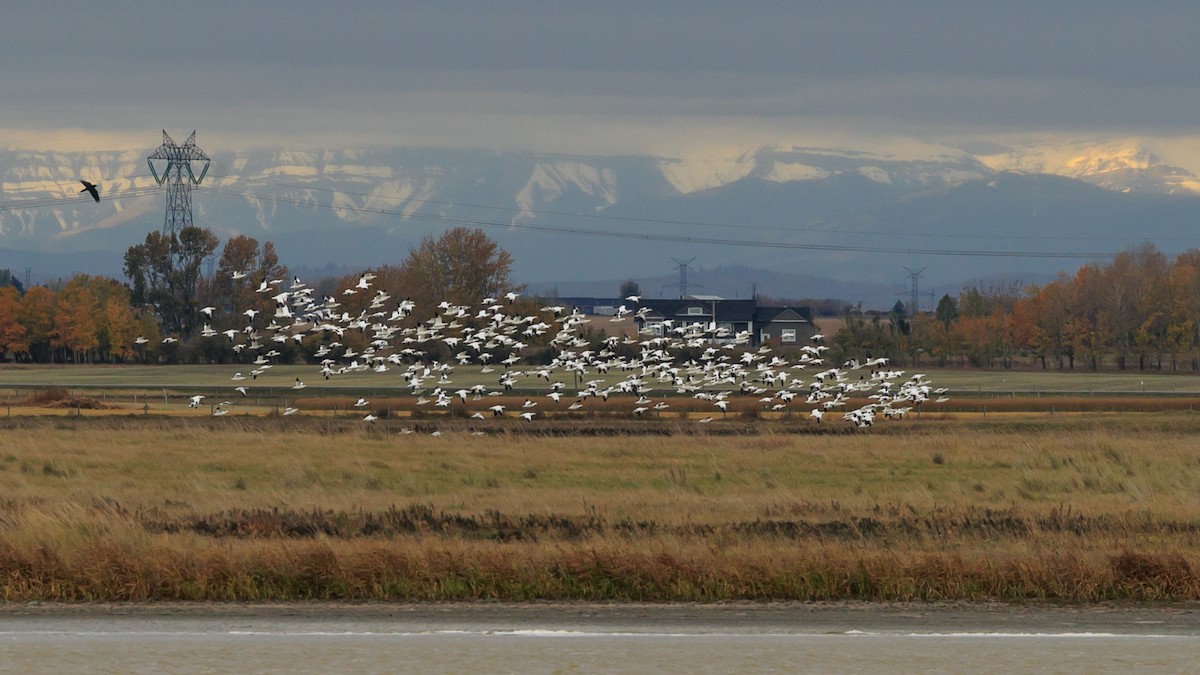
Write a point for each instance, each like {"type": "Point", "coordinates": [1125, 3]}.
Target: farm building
{"type": "Point", "coordinates": [778, 325]}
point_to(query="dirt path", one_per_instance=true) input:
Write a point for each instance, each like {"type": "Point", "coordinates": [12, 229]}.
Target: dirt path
{"type": "Point", "coordinates": [673, 618]}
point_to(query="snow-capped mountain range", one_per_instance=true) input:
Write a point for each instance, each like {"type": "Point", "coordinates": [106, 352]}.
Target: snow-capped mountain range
{"type": "Point", "coordinates": [823, 212]}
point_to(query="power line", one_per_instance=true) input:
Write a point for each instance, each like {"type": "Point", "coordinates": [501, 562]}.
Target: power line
{"type": "Point", "coordinates": [140, 191]}
{"type": "Point", "coordinates": [133, 192]}
{"type": "Point", "coordinates": [643, 236]}
{"type": "Point", "coordinates": [63, 201]}
{"type": "Point", "coordinates": [667, 221]}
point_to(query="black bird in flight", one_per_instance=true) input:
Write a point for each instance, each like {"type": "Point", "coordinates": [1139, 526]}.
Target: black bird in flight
{"type": "Point", "coordinates": [91, 189]}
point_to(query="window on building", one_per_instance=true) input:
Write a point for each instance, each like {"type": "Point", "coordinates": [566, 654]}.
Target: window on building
{"type": "Point", "coordinates": [764, 336]}
{"type": "Point", "coordinates": [695, 310]}
{"type": "Point", "coordinates": [787, 335]}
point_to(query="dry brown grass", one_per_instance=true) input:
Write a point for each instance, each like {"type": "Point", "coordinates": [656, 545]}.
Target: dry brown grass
{"type": "Point", "coordinates": [1072, 508]}
{"type": "Point", "coordinates": [1053, 404]}
{"type": "Point", "coordinates": [613, 407]}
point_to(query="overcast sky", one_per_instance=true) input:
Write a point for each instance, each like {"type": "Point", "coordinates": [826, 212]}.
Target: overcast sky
{"type": "Point", "coordinates": [674, 77]}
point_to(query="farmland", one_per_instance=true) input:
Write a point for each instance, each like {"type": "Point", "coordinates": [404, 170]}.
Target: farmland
{"type": "Point", "coordinates": [122, 502]}
{"type": "Point", "coordinates": [166, 390]}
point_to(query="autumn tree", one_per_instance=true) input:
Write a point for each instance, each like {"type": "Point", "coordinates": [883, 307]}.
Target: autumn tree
{"type": "Point", "coordinates": [461, 267]}
{"type": "Point", "coordinates": [82, 316]}
{"type": "Point", "coordinates": [1050, 312]}
{"type": "Point", "coordinates": [982, 326]}
{"type": "Point", "coordinates": [243, 270]}
{"type": "Point", "coordinates": [351, 298]}
{"type": "Point", "coordinates": [12, 334]}
{"type": "Point", "coordinates": [865, 335]}
{"type": "Point", "coordinates": [164, 272]}
{"type": "Point", "coordinates": [243, 267]}
{"type": "Point", "coordinates": [1183, 307]}
{"type": "Point", "coordinates": [145, 324]}
{"type": "Point", "coordinates": [1087, 321]}
{"type": "Point", "coordinates": [36, 316]}
{"type": "Point", "coordinates": [120, 327]}
{"type": "Point", "coordinates": [76, 319]}
{"type": "Point", "coordinates": [972, 329]}
{"type": "Point", "coordinates": [1127, 290]}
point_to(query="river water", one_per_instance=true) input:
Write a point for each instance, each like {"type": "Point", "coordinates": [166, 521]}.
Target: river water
{"type": "Point", "coordinates": [595, 639]}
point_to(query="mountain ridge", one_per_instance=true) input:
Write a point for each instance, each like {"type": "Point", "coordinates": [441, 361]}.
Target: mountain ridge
{"type": "Point", "coordinates": [845, 215]}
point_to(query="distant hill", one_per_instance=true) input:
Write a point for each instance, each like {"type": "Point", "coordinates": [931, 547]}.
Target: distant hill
{"type": "Point", "coordinates": [821, 222]}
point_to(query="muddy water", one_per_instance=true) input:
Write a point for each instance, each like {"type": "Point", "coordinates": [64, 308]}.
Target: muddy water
{"type": "Point", "coordinates": [548, 639]}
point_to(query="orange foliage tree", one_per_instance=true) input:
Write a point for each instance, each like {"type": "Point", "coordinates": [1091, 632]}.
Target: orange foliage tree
{"type": "Point", "coordinates": [13, 339]}
{"type": "Point", "coordinates": [36, 316]}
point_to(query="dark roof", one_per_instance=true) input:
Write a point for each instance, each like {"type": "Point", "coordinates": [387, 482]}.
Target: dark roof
{"type": "Point", "coordinates": [783, 314]}
{"type": "Point", "coordinates": [727, 310]}
{"type": "Point", "coordinates": [585, 300]}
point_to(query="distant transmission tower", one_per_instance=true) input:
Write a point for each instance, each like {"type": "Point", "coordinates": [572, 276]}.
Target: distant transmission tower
{"type": "Point", "coordinates": [683, 276]}
{"type": "Point", "coordinates": [173, 162]}
{"type": "Point", "coordinates": [914, 275]}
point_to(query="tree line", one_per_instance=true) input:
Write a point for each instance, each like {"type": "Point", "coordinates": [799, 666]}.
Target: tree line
{"type": "Point", "coordinates": [168, 311]}
{"type": "Point", "coordinates": [1140, 310]}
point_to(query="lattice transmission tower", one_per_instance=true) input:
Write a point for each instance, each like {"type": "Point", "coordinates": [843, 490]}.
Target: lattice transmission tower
{"type": "Point", "coordinates": [914, 275]}
{"type": "Point", "coordinates": [174, 167]}
{"type": "Point", "coordinates": [683, 276]}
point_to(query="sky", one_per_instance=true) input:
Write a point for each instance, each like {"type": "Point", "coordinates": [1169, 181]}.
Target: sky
{"type": "Point", "coordinates": [675, 78]}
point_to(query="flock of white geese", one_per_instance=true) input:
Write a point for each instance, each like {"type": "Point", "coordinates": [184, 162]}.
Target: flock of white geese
{"type": "Point", "coordinates": [649, 369]}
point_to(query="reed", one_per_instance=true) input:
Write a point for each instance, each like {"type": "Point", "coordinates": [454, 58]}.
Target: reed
{"type": "Point", "coordinates": [1064, 508]}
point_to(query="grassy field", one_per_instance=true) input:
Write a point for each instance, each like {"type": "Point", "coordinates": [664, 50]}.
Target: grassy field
{"type": "Point", "coordinates": [965, 382]}
{"type": "Point", "coordinates": [155, 390]}
{"type": "Point", "coordinates": [151, 378]}
{"type": "Point", "coordinates": [1011, 507]}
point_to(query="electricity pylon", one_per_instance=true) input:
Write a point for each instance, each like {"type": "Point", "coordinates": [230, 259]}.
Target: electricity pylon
{"type": "Point", "coordinates": [683, 277]}
{"type": "Point", "coordinates": [173, 162]}
{"type": "Point", "coordinates": [914, 275]}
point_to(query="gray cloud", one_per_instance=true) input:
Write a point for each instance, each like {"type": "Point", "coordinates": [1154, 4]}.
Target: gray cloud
{"type": "Point", "coordinates": [369, 70]}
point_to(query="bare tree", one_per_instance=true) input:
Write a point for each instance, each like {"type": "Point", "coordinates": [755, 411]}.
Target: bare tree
{"type": "Point", "coordinates": [165, 273]}
{"type": "Point", "coordinates": [461, 267]}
